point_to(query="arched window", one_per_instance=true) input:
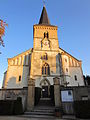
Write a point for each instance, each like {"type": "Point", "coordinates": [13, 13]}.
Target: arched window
{"type": "Point", "coordinates": [46, 35]}
{"type": "Point", "coordinates": [13, 62]}
{"type": "Point", "coordinates": [45, 69]}
{"type": "Point", "coordinates": [41, 44]}
{"type": "Point", "coordinates": [44, 57]}
{"type": "Point", "coordinates": [17, 61]}
{"type": "Point", "coordinates": [66, 69]}
{"type": "Point", "coordinates": [25, 59]}
{"type": "Point", "coordinates": [19, 78]}
{"type": "Point", "coordinates": [65, 60]}
{"type": "Point", "coordinates": [75, 78]}
{"type": "Point", "coordinates": [21, 61]}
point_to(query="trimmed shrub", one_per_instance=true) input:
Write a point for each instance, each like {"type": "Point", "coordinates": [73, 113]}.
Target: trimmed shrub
{"type": "Point", "coordinates": [18, 108]}
{"type": "Point", "coordinates": [82, 109]}
{"type": "Point", "coordinates": [11, 107]}
{"type": "Point", "coordinates": [6, 107]}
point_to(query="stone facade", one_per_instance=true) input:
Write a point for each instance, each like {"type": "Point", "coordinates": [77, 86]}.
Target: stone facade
{"type": "Point", "coordinates": [30, 64]}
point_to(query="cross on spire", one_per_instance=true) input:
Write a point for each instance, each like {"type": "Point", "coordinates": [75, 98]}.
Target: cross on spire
{"type": "Point", "coordinates": [44, 2]}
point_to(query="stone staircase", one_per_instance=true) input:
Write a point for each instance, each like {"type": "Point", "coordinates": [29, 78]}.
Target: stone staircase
{"type": "Point", "coordinates": [44, 109]}
{"type": "Point", "coordinates": [45, 102]}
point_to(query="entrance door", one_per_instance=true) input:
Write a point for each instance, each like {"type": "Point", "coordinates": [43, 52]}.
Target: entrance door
{"type": "Point", "coordinates": [44, 91]}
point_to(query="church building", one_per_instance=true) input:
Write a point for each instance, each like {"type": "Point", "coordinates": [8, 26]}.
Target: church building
{"type": "Point", "coordinates": [40, 65]}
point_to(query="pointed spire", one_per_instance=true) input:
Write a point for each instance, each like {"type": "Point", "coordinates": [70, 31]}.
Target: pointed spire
{"type": "Point", "coordinates": [44, 17]}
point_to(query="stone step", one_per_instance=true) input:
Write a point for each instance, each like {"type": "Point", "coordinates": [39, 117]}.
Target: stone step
{"type": "Point", "coordinates": [38, 116]}
{"type": "Point", "coordinates": [45, 103]}
{"type": "Point", "coordinates": [43, 110]}
{"type": "Point", "coordinates": [46, 108]}
{"type": "Point", "coordinates": [45, 98]}
{"type": "Point", "coordinates": [39, 113]}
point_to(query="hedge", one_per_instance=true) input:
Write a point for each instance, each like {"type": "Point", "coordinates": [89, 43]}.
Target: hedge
{"type": "Point", "coordinates": [11, 107]}
{"type": "Point", "coordinates": [82, 109]}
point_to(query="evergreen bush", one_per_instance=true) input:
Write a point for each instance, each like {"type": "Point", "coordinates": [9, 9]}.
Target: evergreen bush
{"type": "Point", "coordinates": [82, 109]}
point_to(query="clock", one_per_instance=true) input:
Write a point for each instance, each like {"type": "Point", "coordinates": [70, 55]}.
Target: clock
{"type": "Point", "coordinates": [46, 43]}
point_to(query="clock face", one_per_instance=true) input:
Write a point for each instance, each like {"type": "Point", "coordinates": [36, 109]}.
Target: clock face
{"type": "Point", "coordinates": [46, 43]}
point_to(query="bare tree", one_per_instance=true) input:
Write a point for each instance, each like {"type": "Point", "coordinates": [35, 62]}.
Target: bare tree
{"type": "Point", "coordinates": [2, 32]}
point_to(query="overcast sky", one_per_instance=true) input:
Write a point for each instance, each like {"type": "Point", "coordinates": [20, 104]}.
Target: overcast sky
{"type": "Point", "coordinates": [71, 16]}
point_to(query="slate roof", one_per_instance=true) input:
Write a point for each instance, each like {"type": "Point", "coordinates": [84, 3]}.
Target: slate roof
{"type": "Point", "coordinates": [44, 17]}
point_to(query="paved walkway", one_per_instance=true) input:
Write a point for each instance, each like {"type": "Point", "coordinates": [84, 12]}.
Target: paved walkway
{"type": "Point", "coordinates": [23, 118]}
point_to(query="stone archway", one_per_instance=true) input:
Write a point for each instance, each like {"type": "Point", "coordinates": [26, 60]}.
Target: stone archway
{"type": "Point", "coordinates": [45, 88]}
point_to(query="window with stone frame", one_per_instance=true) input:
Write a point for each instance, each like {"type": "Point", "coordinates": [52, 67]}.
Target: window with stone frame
{"type": "Point", "coordinates": [25, 57]}
{"type": "Point", "coordinates": [72, 63]}
{"type": "Point", "coordinates": [13, 62]}
{"type": "Point", "coordinates": [65, 60]}
{"type": "Point", "coordinates": [44, 57]}
{"type": "Point", "coordinates": [66, 69]}
{"type": "Point", "coordinates": [46, 35]}
{"type": "Point", "coordinates": [45, 42]}
{"type": "Point", "coordinates": [45, 69]}
{"type": "Point", "coordinates": [19, 78]}
{"type": "Point", "coordinates": [75, 78]}
{"type": "Point", "coordinates": [17, 61]}
{"type": "Point", "coordinates": [21, 61]}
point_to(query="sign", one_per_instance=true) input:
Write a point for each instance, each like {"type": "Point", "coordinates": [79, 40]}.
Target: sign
{"type": "Point", "coordinates": [67, 96]}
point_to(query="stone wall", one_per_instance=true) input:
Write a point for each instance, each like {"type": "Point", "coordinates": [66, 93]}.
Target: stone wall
{"type": "Point", "coordinates": [13, 94]}
{"type": "Point", "coordinates": [79, 93]}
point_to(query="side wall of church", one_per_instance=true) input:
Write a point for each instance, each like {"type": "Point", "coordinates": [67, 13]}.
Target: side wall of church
{"type": "Point", "coordinates": [18, 71]}
{"type": "Point", "coordinates": [76, 71]}
{"type": "Point", "coordinates": [13, 74]}
{"type": "Point", "coordinates": [72, 70]}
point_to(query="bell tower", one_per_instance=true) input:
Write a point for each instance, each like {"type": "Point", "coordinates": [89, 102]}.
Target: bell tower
{"type": "Point", "coordinates": [45, 34]}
